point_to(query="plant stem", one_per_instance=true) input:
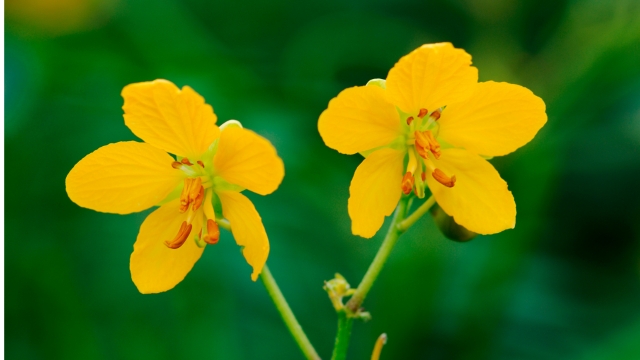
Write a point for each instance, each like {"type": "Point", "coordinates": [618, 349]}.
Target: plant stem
{"type": "Point", "coordinates": [411, 219]}
{"type": "Point", "coordinates": [283, 307]}
{"type": "Point", "coordinates": [287, 314]}
{"type": "Point", "coordinates": [398, 226]}
{"type": "Point", "coordinates": [342, 338]}
{"type": "Point", "coordinates": [381, 257]}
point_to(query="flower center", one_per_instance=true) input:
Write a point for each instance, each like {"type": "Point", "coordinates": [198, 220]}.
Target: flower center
{"type": "Point", "coordinates": [197, 191]}
{"type": "Point", "coordinates": [424, 152]}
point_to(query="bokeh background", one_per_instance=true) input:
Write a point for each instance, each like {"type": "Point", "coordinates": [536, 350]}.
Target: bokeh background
{"type": "Point", "coordinates": [565, 284]}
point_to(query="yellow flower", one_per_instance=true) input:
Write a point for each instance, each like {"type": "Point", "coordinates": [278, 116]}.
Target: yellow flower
{"type": "Point", "coordinates": [211, 167]}
{"type": "Point", "coordinates": [430, 123]}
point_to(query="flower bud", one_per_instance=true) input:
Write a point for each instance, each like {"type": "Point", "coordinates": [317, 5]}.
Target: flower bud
{"type": "Point", "coordinates": [449, 228]}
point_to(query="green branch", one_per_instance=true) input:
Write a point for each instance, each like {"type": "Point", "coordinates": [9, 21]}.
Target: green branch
{"type": "Point", "coordinates": [283, 307]}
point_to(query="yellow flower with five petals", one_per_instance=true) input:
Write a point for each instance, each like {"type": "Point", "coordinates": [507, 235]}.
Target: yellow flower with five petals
{"type": "Point", "coordinates": [212, 166]}
{"type": "Point", "coordinates": [430, 123]}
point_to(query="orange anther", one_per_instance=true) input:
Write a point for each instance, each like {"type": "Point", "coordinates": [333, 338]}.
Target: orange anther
{"type": "Point", "coordinates": [435, 115]}
{"type": "Point", "coordinates": [196, 186]}
{"type": "Point", "coordinates": [213, 233]}
{"type": "Point", "coordinates": [409, 120]}
{"type": "Point", "coordinates": [197, 202]}
{"type": "Point", "coordinates": [184, 196]}
{"type": "Point", "coordinates": [192, 189]}
{"type": "Point", "coordinates": [186, 161]}
{"type": "Point", "coordinates": [201, 163]}
{"type": "Point", "coordinates": [407, 183]}
{"type": "Point", "coordinates": [422, 151]}
{"type": "Point", "coordinates": [423, 176]}
{"type": "Point", "coordinates": [422, 113]}
{"type": "Point", "coordinates": [181, 237]}
{"type": "Point", "coordinates": [176, 165]}
{"type": "Point", "coordinates": [426, 141]}
{"type": "Point", "coordinates": [443, 179]}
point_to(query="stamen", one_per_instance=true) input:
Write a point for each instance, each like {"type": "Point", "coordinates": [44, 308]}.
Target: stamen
{"type": "Point", "coordinates": [443, 179]}
{"type": "Point", "coordinates": [426, 141]}
{"type": "Point", "coordinates": [407, 183]}
{"type": "Point", "coordinates": [197, 202]}
{"type": "Point", "coordinates": [184, 196]}
{"type": "Point", "coordinates": [200, 163]}
{"type": "Point", "coordinates": [422, 113]}
{"type": "Point", "coordinates": [409, 120]}
{"type": "Point", "coordinates": [196, 186]}
{"type": "Point", "coordinates": [176, 165]}
{"type": "Point", "coordinates": [181, 237]}
{"type": "Point", "coordinates": [213, 233]}
{"type": "Point", "coordinates": [186, 161]}
{"type": "Point", "coordinates": [435, 115]}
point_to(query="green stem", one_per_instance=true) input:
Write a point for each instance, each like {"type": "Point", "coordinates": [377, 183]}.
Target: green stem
{"type": "Point", "coordinates": [287, 315]}
{"type": "Point", "coordinates": [411, 219]}
{"type": "Point", "coordinates": [345, 322]}
{"type": "Point", "coordinates": [381, 257]}
{"type": "Point", "coordinates": [398, 226]}
{"type": "Point", "coordinates": [283, 307]}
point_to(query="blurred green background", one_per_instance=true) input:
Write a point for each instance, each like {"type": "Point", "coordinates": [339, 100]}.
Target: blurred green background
{"type": "Point", "coordinates": [565, 284]}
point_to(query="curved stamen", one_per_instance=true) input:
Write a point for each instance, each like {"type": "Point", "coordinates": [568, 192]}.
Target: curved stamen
{"type": "Point", "coordinates": [213, 233]}
{"type": "Point", "coordinates": [181, 237]}
{"type": "Point", "coordinates": [443, 179]}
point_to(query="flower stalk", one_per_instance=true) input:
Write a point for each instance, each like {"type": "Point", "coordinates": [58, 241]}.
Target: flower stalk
{"type": "Point", "coordinates": [283, 307]}
{"type": "Point", "coordinates": [352, 309]}
{"type": "Point", "coordinates": [345, 322]}
{"type": "Point", "coordinates": [287, 315]}
{"type": "Point", "coordinates": [353, 305]}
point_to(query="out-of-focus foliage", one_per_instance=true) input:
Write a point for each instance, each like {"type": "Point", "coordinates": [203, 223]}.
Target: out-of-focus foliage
{"type": "Point", "coordinates": [564, 284]}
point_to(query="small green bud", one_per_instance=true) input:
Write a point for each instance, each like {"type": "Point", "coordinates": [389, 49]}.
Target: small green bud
{"type": "Point", "coordinates": [449, 228]}
{"type": "Point", "coordinates": [338, 288]}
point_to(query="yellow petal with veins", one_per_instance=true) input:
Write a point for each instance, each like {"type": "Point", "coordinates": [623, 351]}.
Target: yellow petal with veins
{"type": "Point", "coordinates": [375, 191]}
{"type": "Point", "coordinates": [480, 200]}
{"type": "Point", "coordinates": [359, 119]}
{"type": "Point", "coordinates": [177, 121]}
{"type": "Point", "coordinates": [430, 77]}
{"type": "Point", "coordinates": [247, 229]}
{"type": "Point", "coordinates": [122, 178]}
{"type": "Point", "coordinates": [247, 159]}
{"type": "Point", "coordinates": [155, 267]}
{"type": "Point", "coordinates": [496, 120]}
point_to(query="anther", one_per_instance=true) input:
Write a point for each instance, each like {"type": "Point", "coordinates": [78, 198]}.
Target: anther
{"type": "Point", "coordinates": [435, 115]}
{"type": "Point", "coordinates": [184, 196]}
{"type": "Point", "coordinates": [200, 163]}
{"type": "Point", "coordinates": [213, 233]}
{"type": "Point", "coordinates": [426, 141]}
{"type": "Point", "coordinates": [443, 179]}
{"type": "Point", "coordinates": [422, 113]}
{"type": "Point", "coordinates": [197, 202]}
{"type": "Point", "coordinates": [186, 161]}
{"type": "Point", "coordinates": [409, 120]}
{"type": "Point", "coordinates": [181, 237]}
{"type": "Point", "coordinates": [423, 176]}
{"type": "Point", "coordinates": [176, 165]}
{"type": "Point", "coordinates": [407, 183]}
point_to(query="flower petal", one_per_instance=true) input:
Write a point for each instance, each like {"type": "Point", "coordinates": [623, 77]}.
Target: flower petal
{"type": "Point", "coordinates": [122, 178]}
{"type": "Point", "coordinates": [155, 267]}
{"type": "Point", "coordinates": [432, 76]}
{"type": "Point", "coordinates": [496, 120]}
{"type": "Point", "coordinates": [359, 119]}
{"type": "Point", "coordinates": [177, 121]}
{"type": "Point", "coordinates": [375, 191]}
{"type": "Point", "coordinates": [247, 159]}
{"type": "Point", "coordinates": [479, 200]}
{"type": "Point", "coordinates": [247, 229]}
